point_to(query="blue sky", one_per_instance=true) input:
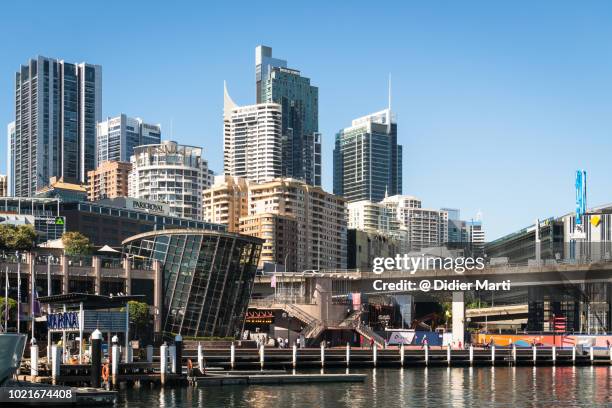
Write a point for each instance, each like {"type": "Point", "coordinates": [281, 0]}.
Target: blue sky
{"type": "Point", "coordinates": [497, 104]}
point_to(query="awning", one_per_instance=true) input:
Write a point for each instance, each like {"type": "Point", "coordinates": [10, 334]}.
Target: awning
{"type": "Point", "coordinates": [106, 248]}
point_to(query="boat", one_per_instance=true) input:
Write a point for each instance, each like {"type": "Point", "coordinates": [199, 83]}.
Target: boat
{"type": "Point", "coordinates": [12, 346]}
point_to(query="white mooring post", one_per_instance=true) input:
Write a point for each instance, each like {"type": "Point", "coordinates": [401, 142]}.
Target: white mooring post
{"type": "Point", "coordinates": [232, 355]}
{"type": "Point", "coordinates": [163, 362]}
{"type": "Point", "coordinates": [200, 358]}
{"type": "Point", "coordinates": [471, 354]}
{"type": "Point", "coordinates": [448, 354]}
{"type": "Point", "coordinates": [535, 354]}
{"type": "Point", "coordinates": [34, 360]}
{"type": "Point", "coordinates": [115, 364]}
{"type": "Point", "coordinates": [322, 354]}
{"type": "Point", "coordinates": [592, 355]}
{"type": "Point", "coordinates": [514, 353]}
{"type": "Point", "coordinates": [427, 354]}
{"type": "Point", "coordinates": [610, 354]}
{"type": "Point", "coordinates": [402, 354]}
{"type": "Point", "coordinates": [554, 354]}
{"type": "Point", "coordinates": [493, 355]}
{"type": "Point", "coordinates": [374, 354]}
{"type": "Point", "coordinates": [261, 356]}
{"type": "Point", "coordinates": [294, 356]}
{"type": "Point", "coordinates": [56, 353]}
{"type": "Point", "coordinates": [348, 354]}
{"type": "Point", "coordinates": [574, 355]}
{"type": "Point", "coordinates": [172, 352]}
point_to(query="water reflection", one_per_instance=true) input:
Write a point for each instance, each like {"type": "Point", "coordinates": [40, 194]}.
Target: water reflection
{"type": "Point", "coordinates": [390, 387]}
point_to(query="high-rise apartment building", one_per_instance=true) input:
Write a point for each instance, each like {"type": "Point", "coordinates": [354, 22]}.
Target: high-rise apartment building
{"type": "Point", "coordinates": [365, 215]}
{"type": "Point", "coordinates": [252, 140]}
{"type": "Point", "coordinates": [118, 136]}
{"type": "Point", "coordinates": [280, 233]}
{"type": "Point", "coordinates": [108, 180]}
{"type": "Point", "coordinates": [10, 159]}
{"type": "Point", "coordinates": [170, 173]}
{"type": "Point", "coordinates": [3, 185]}
{"type": "Point", "coordinates": [367, 159]}
{"type": "Point", "coordinates": [57, 106]}
{"type": "Point", "coordinates": [226, 201]}
{"type": "Point", "coordinates": [299, 100]}
{"type": "Point", "coordinates": [425, 227]}
{"type": "Point", "coordinates": [320, 216]}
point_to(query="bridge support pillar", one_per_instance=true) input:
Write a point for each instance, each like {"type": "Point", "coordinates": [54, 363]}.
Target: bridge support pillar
{"type": "Point", "coordinates": [458, 313]}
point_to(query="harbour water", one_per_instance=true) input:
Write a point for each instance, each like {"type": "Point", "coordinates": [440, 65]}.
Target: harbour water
{"type": "Point", "coordinates": [391, 387]}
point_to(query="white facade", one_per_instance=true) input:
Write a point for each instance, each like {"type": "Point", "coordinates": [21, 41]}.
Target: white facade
{"type": "Point", "coordinates": [252, 140]}
{"type": "Point", "coordinates": [426, 227]}
{"type": "Point", "coordinates": [170, 173]}
{"type": "Point", "coordinates": [368, 216]}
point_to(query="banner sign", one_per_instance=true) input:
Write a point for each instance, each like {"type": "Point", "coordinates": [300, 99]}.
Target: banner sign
{"type": "Point", "coordinates": [63, 321]}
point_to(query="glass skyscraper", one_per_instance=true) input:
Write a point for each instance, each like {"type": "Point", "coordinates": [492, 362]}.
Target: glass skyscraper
{"type": "Point", "coordinates": [118, 136]}
{"type": "Point", "coordinates": [301, 143]}
{"type": "Point", "coordinates": [57, 106]}
{"type": "Point", "coordinates": [207, 278]}
{"type": "Point", "coordinates": [367, 159]}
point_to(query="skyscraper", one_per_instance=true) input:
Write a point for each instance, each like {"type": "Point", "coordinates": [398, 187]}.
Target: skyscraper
{"type": "Point", "coordinates": [301, 146]}
{"type": "Point", "coordinates": [252, 140]}
{"type": "Point", "coordinates": [118, 136]}
{"type": "Point", "coordinates": [10, 159]}
{"type": "Point", "coordinates": [367, 159]}
{"type": "Point", "coordinates": [57, 106]}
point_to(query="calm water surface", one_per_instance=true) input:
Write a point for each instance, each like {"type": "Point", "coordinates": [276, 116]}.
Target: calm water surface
{"type": "Point", "coordinates": [421, 387]}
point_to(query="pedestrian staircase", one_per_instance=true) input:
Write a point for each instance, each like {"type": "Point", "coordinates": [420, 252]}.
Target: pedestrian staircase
{"type": "Point", "coordinates": [369, 334]}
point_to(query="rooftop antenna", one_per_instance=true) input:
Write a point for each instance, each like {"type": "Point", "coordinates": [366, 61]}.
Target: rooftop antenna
{"type": "Point", "coordinates": [389, 105]}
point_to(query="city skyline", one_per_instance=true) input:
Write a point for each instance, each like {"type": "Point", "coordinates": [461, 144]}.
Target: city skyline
{"type": "Point", "coordinates": [501, 120]}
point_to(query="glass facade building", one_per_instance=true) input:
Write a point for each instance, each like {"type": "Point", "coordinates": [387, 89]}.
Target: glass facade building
{"type": "Point", "coordinates": [118, 136]}
{"type": "Point", "coordinates": [207, 278]}
{"type": "Point", "coordinates": [367, 159]}
{"type": "Point", "coordinates": [301, 142]}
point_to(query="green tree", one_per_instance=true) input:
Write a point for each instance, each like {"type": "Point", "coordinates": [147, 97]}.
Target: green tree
{"type": "Point", "coordinates": [76, 243]}
{"type": "Point", "coordinates": [17, 238]}
{"type": "Point", "coordinates": [139, 315]}
{"type": "Point", "coordinates": [12, 305]}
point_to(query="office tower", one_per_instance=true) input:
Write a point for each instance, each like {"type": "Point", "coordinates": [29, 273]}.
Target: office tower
{"type": "Point", "coordinates": [118, 136]}
{"type": "Point", "coordinates": [426, 227]}
{"type": "Point", "coordinates": [320, 216]}
{"type": "Point", "coordinates": [3, 185]}
{"type": "Point", "coordinates": [10, 159]}
{"type": "Point", "coordinates": [108, 180]}
{"type": "Point", "coordinates": [226, 201]}
{"type": "Point", "coordinates": [170, 173]}
{"type": "Point", "coordinates": [367, 159]}
{"type": "Point", "coordinates": [301, 143]}
{"type": "Point", "coordinates": [457, 228]}
{"type": "Point", "coordinates": [252, 140]}
{"type": "Point", "coordinates": [476, 233]}
{"type": "Point", "coordinates": [57, 106]}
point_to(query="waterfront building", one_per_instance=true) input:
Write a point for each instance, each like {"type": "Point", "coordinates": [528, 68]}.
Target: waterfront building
{"type": "Point", "coordinates": [299, 100]}
{"type": "Point", "coordinates": [57, 106]}
{"type": "Point", "coordinates": [426, 227]}
{"type": "Point", "coordinates": [320, 217]}
{"type": "Point", "coordinates": [110, 221]}
{"type": "Point", "coordinates": [3, 185]}
{"type": "Point", "coordinates": [252, 140]}
{"type": "Point", "coordinates": [280, 235]}
{"type": "Point", "coordinates": [42, 213]}
{"type": "Point", "coordinates": [367, 159]}
{"type": "Point", "coordinates": [10, 159]}
{"type": "Point", "coordinates": [226, 201]}
{"type": "Point", "coordinates": [108, 180]}
{"type": "Point", "coordinates": [58, 188]}
{"type": "Point", "coordinates": [118, 136]}
{"type": "Point", "coordinates": [368, 216]}
{"type": "Point", "coordinates": [221, 268]}
{"type": "Point", "coordinates": [170, 173]}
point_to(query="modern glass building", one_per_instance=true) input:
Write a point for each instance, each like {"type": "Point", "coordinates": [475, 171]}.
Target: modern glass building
{"type": "Point", "coordinates": [207, 278]}
{"type": "Point", "coordinates": [367, 159]}
{"type": "Point", "coordinates": [118, 136]}
{"type": "Point", "coordinates": [301, 147]}
{"type": "Point", "coordinates": [57, 106]}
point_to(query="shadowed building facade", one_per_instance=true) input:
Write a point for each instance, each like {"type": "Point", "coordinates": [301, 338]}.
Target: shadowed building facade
{"type": "Point", "coordinates": [207, 278]}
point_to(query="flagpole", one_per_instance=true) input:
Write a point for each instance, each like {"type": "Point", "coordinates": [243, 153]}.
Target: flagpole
{"type": "Point", "coordinates": [6, 309]}
{"type": "Point", "coordinates": [18, 293]}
